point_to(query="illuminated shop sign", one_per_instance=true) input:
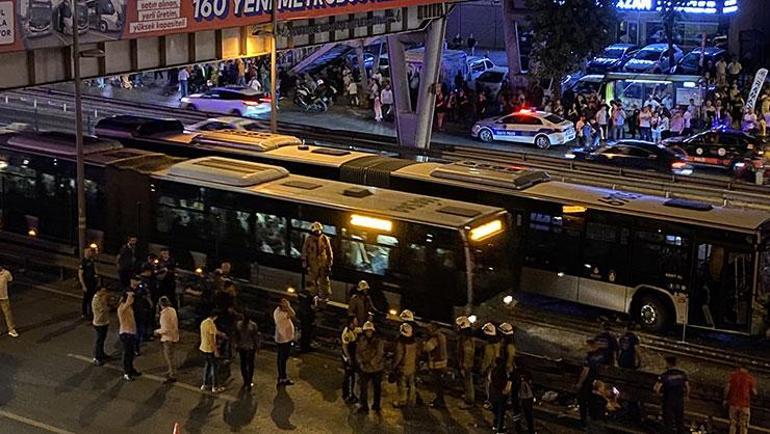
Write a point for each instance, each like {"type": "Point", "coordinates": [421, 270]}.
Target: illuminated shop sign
{"type": "Point", "coordinates": [691, 6]}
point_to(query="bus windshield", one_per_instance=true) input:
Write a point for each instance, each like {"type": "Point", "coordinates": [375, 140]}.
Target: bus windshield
{"type": "Point", "coordinates": [491, 267]}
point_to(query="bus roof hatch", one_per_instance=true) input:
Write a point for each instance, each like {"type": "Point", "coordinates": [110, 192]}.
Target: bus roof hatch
{"type": "Point", "coordinates": [227, 171]}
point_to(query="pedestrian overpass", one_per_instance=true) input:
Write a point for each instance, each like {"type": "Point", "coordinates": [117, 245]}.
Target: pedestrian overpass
{"type": "Point", "coordinates": [126, 36]}
{"type": "Point", "coordinates": [153, 34]}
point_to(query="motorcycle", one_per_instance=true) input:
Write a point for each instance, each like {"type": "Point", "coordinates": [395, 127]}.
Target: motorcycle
{"type": "Point", "coordinates": [306, 99]}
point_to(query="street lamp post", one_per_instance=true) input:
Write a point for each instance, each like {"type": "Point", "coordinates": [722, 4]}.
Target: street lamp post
{"type": "Point", "coordinates": [274, 69]}
{"type": "Point", "coordinates": [80, 168]}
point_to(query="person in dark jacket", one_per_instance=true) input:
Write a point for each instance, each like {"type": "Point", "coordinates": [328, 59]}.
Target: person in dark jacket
{"type": "Point", "coordinates": [246, 339]}
{"type": "Point", "coordinates": [127, 262]}
{"type": "Point", "coordinates": [370, 355]}
{"type": "Point", "coordinates": [166, 276]}
{"type": "Point", "coordinates": [499, 391]}
{"type": "Point", "coordinates": [674, 388]}
{"type": "Point", "coordinates": [348, 340]}
{"type": "Point", "coordinates": [307, 307]}
{"type": "Point", "coordinates": [360, 304]}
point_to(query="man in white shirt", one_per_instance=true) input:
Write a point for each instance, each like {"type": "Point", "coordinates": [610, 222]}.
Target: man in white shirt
{"type": "Point", "coordinates": [183, 77]}
{"type": "Point", "coordinates": [284, 336]}
{"type": "Point", "coordinates": [386, 98]}
{"type": "Point", "coordinates": [5, 303]}
{"type": "Point", "coordinates": [169, 336]}
{"type": "Point", "coordinates": [687, 117]}
{"type": "Point", "coordinates": [734, 69]}
{"type": "Point", "coordinates": [721, 71]}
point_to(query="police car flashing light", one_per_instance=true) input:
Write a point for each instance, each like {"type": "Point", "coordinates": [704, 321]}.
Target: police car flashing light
{"type": "Point", "coordinates": [529, 126]}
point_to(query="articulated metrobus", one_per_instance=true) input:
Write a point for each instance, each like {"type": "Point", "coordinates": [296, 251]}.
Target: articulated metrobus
{"type": "Point", "coordinates": [429, 254]}
{"type": "Point", "coordinates": [661, 261]}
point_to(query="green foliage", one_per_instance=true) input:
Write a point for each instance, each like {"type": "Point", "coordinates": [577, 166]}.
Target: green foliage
{"type": "Point", "coordinates": [567, 32]}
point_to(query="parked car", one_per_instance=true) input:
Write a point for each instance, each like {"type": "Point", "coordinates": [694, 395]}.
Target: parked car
{"type": "Point", "coordinates": [477, 66]}
{"type": "Point", "coordinates": [491, 81]}
{"type": "Point", "coordinates": [720, 147]}
{"type": "Point", "coordinates": [234, 100]}
{"type": "Point", "coordinates": [636, 154]}
{"type": "Point", "coordinates": [227, 123]}
{"type": "Point", "coordinates": [690, 63]}
{"type": "Point", "coordinates": [526, 126]}
{"type": "Point", "coordinates": [652, 59]}
{"type": "Point", "coordinates": [611, 59]}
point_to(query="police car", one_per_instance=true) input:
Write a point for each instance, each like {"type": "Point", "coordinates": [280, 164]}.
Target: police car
{"type": "Point", "coordinates": [526, 126]}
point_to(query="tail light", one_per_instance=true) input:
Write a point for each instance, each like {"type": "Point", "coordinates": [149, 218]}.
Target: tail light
{"type": "Point", "coordinates": [251, 103]}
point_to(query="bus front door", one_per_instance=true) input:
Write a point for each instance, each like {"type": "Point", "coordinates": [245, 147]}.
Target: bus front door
{"type": "Point", "coordinates": [721, 295]}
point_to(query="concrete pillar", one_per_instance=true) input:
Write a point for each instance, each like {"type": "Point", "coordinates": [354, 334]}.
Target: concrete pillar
{"type": "Point", "coordinates": [363, 91]}
{"type": "Point", "coordinates": [414, 125]}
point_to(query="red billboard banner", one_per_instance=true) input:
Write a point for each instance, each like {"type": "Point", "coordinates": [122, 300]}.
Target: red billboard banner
{"type": "Point", "coordinates": [31, 24]}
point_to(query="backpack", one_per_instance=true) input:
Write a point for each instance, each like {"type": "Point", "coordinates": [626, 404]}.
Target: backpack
{"type": "Point", "coordinates": [525, 389]}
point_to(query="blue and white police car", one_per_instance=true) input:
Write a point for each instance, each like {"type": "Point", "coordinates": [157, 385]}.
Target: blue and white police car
{"type": "Point", "coordinates": [539, 128]}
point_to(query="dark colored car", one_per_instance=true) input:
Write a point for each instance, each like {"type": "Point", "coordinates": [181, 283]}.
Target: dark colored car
{"type": "Point", "coordinates": [611, 59]}
{"type": "Point", "coordinates": [636, 154]}
{"type": "Point", "coordinates": [690, 63]}
{"type": "Point", "coordinates": [719, 147]}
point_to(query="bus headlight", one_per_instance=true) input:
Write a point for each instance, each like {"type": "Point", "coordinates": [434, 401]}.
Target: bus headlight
{"type": "Point", "coordinates": [371, 222]}
{"type": "Point", "coordinates": [486, 230]}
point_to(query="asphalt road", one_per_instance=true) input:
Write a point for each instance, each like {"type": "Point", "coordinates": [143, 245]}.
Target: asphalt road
{"type": "Point", "coordinates": [48, 385]}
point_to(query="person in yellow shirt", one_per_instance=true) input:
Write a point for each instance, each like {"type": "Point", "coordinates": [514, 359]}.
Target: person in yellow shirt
{"type": "Point", "coordinates": [210, 350]}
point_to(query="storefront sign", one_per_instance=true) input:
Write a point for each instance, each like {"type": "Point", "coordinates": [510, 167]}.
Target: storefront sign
{"type": "Point", "coordinates": [7, 23]}
{"type": "Point", "coordinates": [691, 6]}
{"type": "Point", "coordinates": [49, 23]}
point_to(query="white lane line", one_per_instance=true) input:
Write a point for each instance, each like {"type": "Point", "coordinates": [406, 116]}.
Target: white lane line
{"type": "Point", "coordinates": [51, 290]}
{"type": "Point", "coordinates": [158, 379]}
{"type": "Point", "coordinates": [34, 423]}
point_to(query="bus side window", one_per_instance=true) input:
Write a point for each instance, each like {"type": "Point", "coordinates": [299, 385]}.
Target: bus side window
{"type": "Point", "coordinates": [605, 250]}
{"type": "Point", "coordinates": [542, 241]}
{"type": "Point", "coordinates": [182, 219]}
{"type": "Point", "coordinates": [270, 232]}
{"type": "Point", "coordinates": [370, 253]}
{"type": "Point", "coordinates": [446, 258]}
{"type": "Point", "coordinates": [230, 227]}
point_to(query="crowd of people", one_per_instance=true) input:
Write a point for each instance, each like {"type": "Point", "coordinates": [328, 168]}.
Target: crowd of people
{"type": "Point", "coordinates": [483, 358]}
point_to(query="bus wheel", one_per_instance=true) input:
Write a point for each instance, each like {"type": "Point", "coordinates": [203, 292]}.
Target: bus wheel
{"type": "Point", "coordinates": [652, 313]}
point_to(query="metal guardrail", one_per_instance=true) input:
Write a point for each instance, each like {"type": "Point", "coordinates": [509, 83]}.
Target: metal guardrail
{"type": "Point", "coordinates": [54, 114]}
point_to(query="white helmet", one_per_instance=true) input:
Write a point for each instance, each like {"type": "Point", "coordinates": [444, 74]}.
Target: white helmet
{"type": "Point", "coordinates": [405, 330]}
{"type": "Point", "coordinates": [362, 285]}
{"type": "Point", "coordinates": [319, 82]}
{"type": "Point", "coordinates": [489, 329]}
{"type": "Point", "coordinates": [368, 326]}
{"type": "Point", "coordinates": [506, 329]}
{"type": "Point", "coordinates": [316, 227]}
{"type": "Point", "coordinates": [406, 315]}
{"type": "Point", "coordinates": [462, 322]}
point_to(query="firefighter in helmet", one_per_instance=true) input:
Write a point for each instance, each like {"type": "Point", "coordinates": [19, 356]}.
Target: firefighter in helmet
{"type": "Point", "coordinates": [317, 260]}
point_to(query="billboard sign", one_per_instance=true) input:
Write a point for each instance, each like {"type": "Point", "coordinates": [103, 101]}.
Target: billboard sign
{"type": "Point", "coordinates": [32, 24]}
